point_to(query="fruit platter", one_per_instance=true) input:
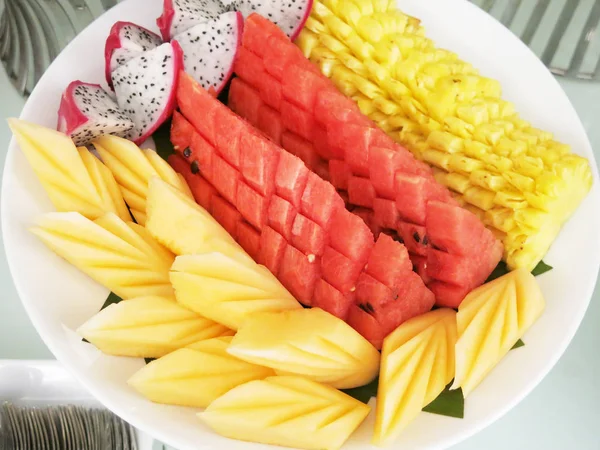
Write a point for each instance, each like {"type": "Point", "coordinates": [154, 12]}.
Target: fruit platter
{"type": "Point", "coordinates": [314, 224]}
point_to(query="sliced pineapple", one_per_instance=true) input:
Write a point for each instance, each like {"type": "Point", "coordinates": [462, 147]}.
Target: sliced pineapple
{"type": "Point", "coordinates": [308, 342]}
{"type": "Point", "coordinates": [148, 327]}
{"type": "Point", "coordinates": [184, 227]}
{"type": "Point", "coordinates": [133, 168]}
{"type": "Point", "coordinates": [491, 319]}
{"type": "Point", "coordinates": [287, 411]}
{"type": "Point", "coordinates": [227, 290]}
{"type": "Point", "coordinates": [110, 251]}
{"type": "Point", "coordinates": [417, 363]}
{"type": "Point", "coordinates": [196, 375]}
{"type": "Point", "coordinates": [74, 180]}
{"type": "Point", "coordinates": [522, 183]}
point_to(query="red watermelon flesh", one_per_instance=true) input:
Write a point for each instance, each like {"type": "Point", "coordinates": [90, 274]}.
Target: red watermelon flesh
{"type": "Point", "coordinates": [228, 129]}
{"type": "Point", "coordinates": [181, 132]}
{"type": "Point", "coordinates": [247, 101]}
{"type": "Point", "coordinates": [301, 148]}
{"type": "Point", "coordinates": [381, 176]}
{"type": "Point", "coordinates": [249, 66]}
{"type": "Point", "coordinates": [288, 218]}
{"type": "Point", "coordinates": [367, 325]}
{"type": "Point", "coordinates": [256, 32]}
{"type": "Point", "coordinates": [269, 120]}
{"type": "Point", "coordinates": [388, 263]}
{"type": "Point", "coordinates": [270, 92]}
{"type": "Point", "coordinates": [201, 189]}
{"type": "Point", "coordinates": [201, 107]}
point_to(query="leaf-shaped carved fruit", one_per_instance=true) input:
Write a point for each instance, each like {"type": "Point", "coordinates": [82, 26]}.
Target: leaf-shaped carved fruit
{"type": "Point", "coordinates": [133, 169]}
{"type": "Point", "coordinates": [148, 327]}
{"type": "Point", "coordinates": [196, 375]}
{"type": "Point", "coordinates": [58, 165]}
{"type": "Point", "coordinates": [288, 411]}
{"type": "Point", "coordinates": [226, 290]}
{"type": "Point", "coordinates": [417, 362]}
{"type": "Point", "coordinates": [118, 255]}
{"type": "Point", "coordinates": [184, 227]}
{"type": "Point", "coordinates": [491, 319]}
{"type": "Point", "coordinates": [308, 342]}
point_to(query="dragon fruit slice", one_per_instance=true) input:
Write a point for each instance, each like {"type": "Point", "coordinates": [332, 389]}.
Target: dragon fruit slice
{"type": "Point", "coordinates": [210, 48]}
{"type": "Point", "coordinates": [289, 15]}
{"type": "Point", "coordinates": [146, 86]}
{"type": "Point", "coordinates": [125, 42]}
{"type": "Point", "coordinates": [87, 111]}
{"type": "Point", "coordinates": [181, 15]}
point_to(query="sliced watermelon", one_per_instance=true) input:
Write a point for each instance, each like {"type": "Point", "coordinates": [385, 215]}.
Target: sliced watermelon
{"type": "Point", "coordinates": [331, 300]}
{"type": "Point", "coordinates": [385, 185]}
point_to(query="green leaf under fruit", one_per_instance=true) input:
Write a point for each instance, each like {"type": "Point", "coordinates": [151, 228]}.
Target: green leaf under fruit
{"type": "Point", "coordinates": [541, 268]}
{"type": "Point", "coordinates": [449, 403]}
{"type": "Point", "coordinates": [518, 344]}
{"type": "Point", "coordinates": [162, 140]}
{"type": "Point", "coordinates": [149, 360]}
{"type": "Point", "coordinates": [111, 300]}
{"type": "Point", "coordinates": [364, 393]}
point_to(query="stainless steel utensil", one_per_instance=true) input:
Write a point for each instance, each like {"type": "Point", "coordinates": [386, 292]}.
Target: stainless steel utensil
{"type": "Point", "coordinates": [565, 34]}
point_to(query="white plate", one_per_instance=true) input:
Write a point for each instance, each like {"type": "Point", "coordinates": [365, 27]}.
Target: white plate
{"type": "Point", "coordinates": [58, 298]}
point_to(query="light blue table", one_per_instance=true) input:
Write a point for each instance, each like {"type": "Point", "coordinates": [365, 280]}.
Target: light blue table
{"type": "Point", "coordinates": [562, 413]}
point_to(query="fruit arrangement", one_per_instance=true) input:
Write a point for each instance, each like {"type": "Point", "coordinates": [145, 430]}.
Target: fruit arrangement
{"type": "Point", "coordinates": [293, 255]}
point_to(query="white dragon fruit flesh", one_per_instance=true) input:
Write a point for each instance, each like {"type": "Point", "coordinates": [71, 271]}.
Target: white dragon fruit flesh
{"type": "Point", "coordinates": [209, 49]}
{"type": "Point", "coordinates": [87, 112]}
{"type": "Point", "coordinates": [181, 15]}
{"type": "Point", "coordinates": [125, 42]}
{"type": "Point", "coordinates": [289, 15]}
{"type": "Point", "coordinates": [146, 88]}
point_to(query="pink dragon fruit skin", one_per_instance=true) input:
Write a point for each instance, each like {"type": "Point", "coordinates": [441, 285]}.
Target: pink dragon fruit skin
{"type": "Point", "coordinates": [126, 41]}
{"type": "Point", "coordinates": [181, 15]}
{"type": "Point", "coordinates": [87, 111]}
{"type": "Point", "coordinates": [146, 88]}
{"type": "Point", "coordinates": [210, 49]}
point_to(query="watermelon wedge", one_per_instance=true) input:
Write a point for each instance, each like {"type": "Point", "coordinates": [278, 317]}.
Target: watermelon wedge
{"type": "Point", "coordinates": [384, 184]}
{"type": "Point", "coordinates": [289, 219]}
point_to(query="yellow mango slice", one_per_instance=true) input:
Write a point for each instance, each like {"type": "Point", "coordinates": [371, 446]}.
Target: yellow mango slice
{"type": "Point", "coordinates": [59, 167]}
{"type": "Point", "coordinates": [417, 363]}
{"type": "Point", "coordinates": [226, 290]}
{"type": "Point", "coordinates": [148, 327]}
{"type": "Point", "coordinates": [491, 319]}
{"type": "Point", "coordinates": [287, 411]}
{"type": "Point", "coordinates": [110, 251]}
{"type": "Point", "coordinates": [184, 227]}
{"type": "Point", "coordinates": [196, 375]}
{"type": "Point", "coordinates": [133, 169]}
{"type": "Point", "coordinates": [308, 342]}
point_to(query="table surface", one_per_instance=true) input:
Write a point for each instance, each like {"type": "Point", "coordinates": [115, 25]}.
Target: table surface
{"type": "Point", "coordinates": [562, 412]}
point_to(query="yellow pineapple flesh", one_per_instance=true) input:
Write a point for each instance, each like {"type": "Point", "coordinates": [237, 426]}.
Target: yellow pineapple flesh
{"type": "Point", "coordinates": [112, 252]}
{"type": "Point", "coordinates": [490, 320]}
{"type": "Point", "coordinates": [226, 289]}
{"type": "Point", "coordinates": [148, 327]}
{"type": "Point", "coordinates": [133, 169]}
{"type": "Point", "coordinates": [287, 411]}
{"type": "Point", "coordinates": [521, 182]}
{"type": "Point", "coordinates": [308, 342]}
{"type": "Point", "coordinates": [417, 363]}
{"type": "Point", "coordinates": [74, 179]}
{"type": "Point", "coordinates": [196, 375]}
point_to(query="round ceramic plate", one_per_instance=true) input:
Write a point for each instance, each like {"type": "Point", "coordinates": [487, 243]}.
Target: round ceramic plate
{"type": "Point", "coordinates": [58, 298]}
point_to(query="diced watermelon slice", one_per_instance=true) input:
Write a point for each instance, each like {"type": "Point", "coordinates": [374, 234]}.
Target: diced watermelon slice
{"type": "Point", "coordinates": [446, 227]}
{"type": "Point", "coordinates": [388, 262]}
{"type": "Point", "coordinates": [307, 236]}
{"type": "Point", "coordinates": [229, 129]}
{"type": "Point", "coordinates": [259, 162]}
{"type": "Point", "coordinates": [321, 144]}
{"type": "Point", "coordinates": [420, 267]}
{"type": "Point", "coordinates": [244, 100]}
{"type": "Point", "coordinates": [271, 92]}
{"type": "Point", "coordinates": [269, 121]}
{"type": "Point", "coordinates": [366, 325]}
{"type": "Point", "coordinates": [249, 67]}
{"type": "Point", "coordinates": [279, 56]}
{"type": "Point", "coordinates": [199, 109]}
{"type": "Point", "coordinates": [339, 270]}
{"type": "Point", "coordinates": [251, 205]}
{"type": "Point", "coordinates": [411, 197]}
{"type": "Point", "coordinates": [320, 200]}
{"type": "Point", "coordinates": [257, 30]}
{"type": "Point", "coordinates": [384, 163]}
{"type": "Point", "coordinates": [302, 87]}
{"type": "Point", "coordinates": [272, 247]}
{"type": "Point", "coordinates": [372, 294]}
{"type": "Point", "coordinates": [290, 178]}
{"type": "Point", "coordinates": [361, 191]}
{"type": "Point", "coordinates": [322, 170]}
{"type": "Point", "coordinates": [356, 141]}
{"type": "Point", "coordinates": [281, 216]}
{"type": "Point", "coordinates": [301, 148]}
{"type": "Point", "coordinates": [329, 104]}
{"type": "Point", "coordinates": [331, 300]}
{"type": "Point", "coordinates": [225, 178]}
{"type": "Point", "coordinates": [181, 132]}
{"type": "Point", "coordinates": [414, 238]}
{"type": "Point", "coordinates": [297, 120]}
{"type": "Point", "coordinates": [453, 269]}
{"type": "Point", "coordinates": [368, 217]}
{"type": "Point", "coordinates": [448, 295]}
{"type": "Point", "coordinates": [203, 154]}
{"type": "Point", "coordinates": [386, 213]}
{"type": "Point", "coordinates": [299, 274]}
{"type": "Point", "coordinates": [339, 172]}
{"type": "Point", "coordinates": [350, 236]}
{"type": "Point", "coordinates": [226, 215]}
{"type": "Point", "coordinates": [249, 238]}
{"type": "Point", "coordinates": [201, 189]}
